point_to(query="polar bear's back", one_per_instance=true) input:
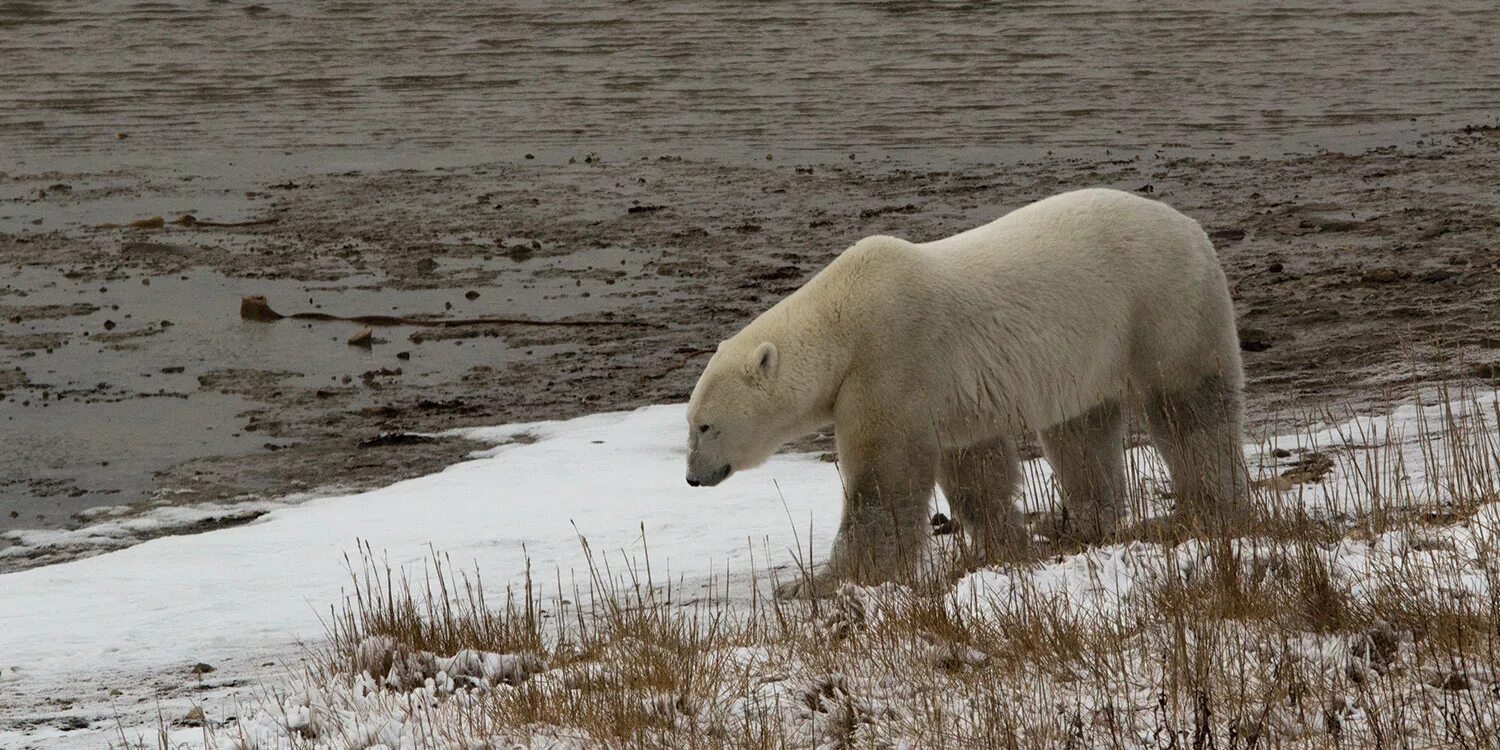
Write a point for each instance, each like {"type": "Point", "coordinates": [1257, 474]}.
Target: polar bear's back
{"type": "Point", "coordinates": [1093, 230]}
{"type": "Point", "coordinates": [1104, 287]}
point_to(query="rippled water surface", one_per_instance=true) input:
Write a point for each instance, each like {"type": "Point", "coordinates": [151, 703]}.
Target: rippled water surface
{"type": "Point", "coordinates": [732, 79]}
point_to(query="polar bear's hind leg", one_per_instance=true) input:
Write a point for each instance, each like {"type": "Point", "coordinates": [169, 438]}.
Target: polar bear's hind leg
{"type": "Point", "coordinates": [1087, 454]}
{"type": "Point", "coordinates": [1197, 433]}
{"type": "Point", "coordinates": [979, 481]}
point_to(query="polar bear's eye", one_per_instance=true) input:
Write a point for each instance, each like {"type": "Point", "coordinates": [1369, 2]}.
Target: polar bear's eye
{"type": "Point", "coordinates": [703, 428]}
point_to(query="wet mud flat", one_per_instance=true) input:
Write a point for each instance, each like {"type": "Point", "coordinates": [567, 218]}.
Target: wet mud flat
{"type": "Point", "coordinates": [129, 378]}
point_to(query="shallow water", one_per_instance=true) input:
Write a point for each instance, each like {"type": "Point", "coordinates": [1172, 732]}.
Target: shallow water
{"type": "Point", "coordinates": [108, 404]}
{"type": "Point", "coordinates": [422, 81]}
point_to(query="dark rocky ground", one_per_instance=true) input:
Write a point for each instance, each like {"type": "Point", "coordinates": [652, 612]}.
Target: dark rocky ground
{"type": "Point", "coordinates": [1355, 275]}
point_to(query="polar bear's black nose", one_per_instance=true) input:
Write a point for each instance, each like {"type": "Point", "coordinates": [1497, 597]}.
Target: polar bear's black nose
{"type": "Point", "coordinates": [692, 482]}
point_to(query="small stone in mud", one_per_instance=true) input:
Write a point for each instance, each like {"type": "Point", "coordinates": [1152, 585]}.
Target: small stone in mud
{"type": "Point", "coordinates": [403, 355]}
{"type": "Point", "coordinates": [72, 723]}
{"type": "Point", "coordinates": [395, 438]}
{"type": "Point", "coordinates": [109, 325]}
{"type": "Point", "coordinates": [172, 370]}
{"type": "Point", "coordinates": [364, 337]}
{"type": "Point", "coordinates": [471, 295]}
{"type": "Point", "coordinates": [1254, 340]}
{"type": "Point", "coordinates": [644, 209]}
{"type": "Point", "coordinates": [1381, 276]}
{"type": "Point", "coordinates": [941, 524]}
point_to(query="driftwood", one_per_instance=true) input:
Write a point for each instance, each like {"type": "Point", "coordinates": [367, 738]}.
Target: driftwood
{"type": "Point", "coordinates": [185, 220]}
{"type": "Point", "coordinates": [255, 307]}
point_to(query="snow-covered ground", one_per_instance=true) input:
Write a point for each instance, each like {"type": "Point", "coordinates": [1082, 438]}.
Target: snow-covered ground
{"type": "Point", "coordinates": [243, 597]}
{"type": "Point", "coordinates": [94, 650]}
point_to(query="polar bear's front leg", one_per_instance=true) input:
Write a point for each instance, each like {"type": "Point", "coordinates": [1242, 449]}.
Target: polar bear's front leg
{"type": "Point", "coordinates": [887, 487]}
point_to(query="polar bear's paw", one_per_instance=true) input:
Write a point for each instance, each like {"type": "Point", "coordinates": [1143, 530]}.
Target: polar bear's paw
{"type": "Point", "coordinates": [818, 584]}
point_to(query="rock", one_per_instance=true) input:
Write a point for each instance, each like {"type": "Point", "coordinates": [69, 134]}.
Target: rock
{"type": "Point", "coordinates": [644, 209]}
{"type": "Point", "coordinates": [1309, 467]}
{"type": "Point", "coordinates": [403, 355]}
{"type": "Point", "coordinates": [1381, 276]}
{"type": "Point", "coordinates": [395, 438]}
{"type": "Point", "coordinates": [153, 222]}
{"type": "Point", "coordinates": [471, 295]}
{"type": "Point", "coordinates": [364, 338]}
{"type": "Point", "coordinates": [193, 718]}
{"type": "Point", "coordinates": [255, 307]}
{"type": "Point", "coordinates": [109, 325]}
{"type": "Point", "coordinates": [1254, 340]}
{"type": "Point", "coordinates": [942, 525]}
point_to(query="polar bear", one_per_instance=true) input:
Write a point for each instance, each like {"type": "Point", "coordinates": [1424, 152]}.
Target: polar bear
{"type": "Point", "coordinates": [930, 358]}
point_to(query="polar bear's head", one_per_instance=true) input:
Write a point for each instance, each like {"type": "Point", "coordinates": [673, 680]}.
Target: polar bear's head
{"type": "Point", "coordinates": [736, 413]}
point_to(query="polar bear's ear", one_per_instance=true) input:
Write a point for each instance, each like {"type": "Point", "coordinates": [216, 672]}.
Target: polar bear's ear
{"type": "Point", "coordinates": [765, 359]}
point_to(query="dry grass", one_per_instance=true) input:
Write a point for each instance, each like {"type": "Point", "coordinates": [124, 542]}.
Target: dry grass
{"type": "Point", "coordinates": [1366, 617]}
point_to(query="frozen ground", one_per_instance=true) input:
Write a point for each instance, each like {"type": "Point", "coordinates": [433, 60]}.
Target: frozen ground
{"type": "Point", "coordinates": [96, 650]}
{"type": "Point", "coordinates": [246, 595]}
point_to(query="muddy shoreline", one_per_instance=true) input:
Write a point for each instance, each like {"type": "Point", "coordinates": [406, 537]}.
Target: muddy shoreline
{"type": "Point", "coordinates": [128, 378]}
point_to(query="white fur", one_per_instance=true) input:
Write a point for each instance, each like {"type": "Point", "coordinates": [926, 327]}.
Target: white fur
{"type": "Point", "coordinates": [928, 358]}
